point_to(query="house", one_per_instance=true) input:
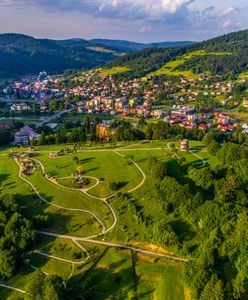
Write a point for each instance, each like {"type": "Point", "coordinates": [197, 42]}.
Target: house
{"type": "Point", "coordinates": [25, 135]}
{"type": "Point", "coordinates": [158, 113]}
{"type": "Point", "coordinates": [202, 126]}
{"type": "Point", "coordinates": [190, 123]}
{"type": "Point", "coordinates": [19, 107]}
{"type": "Point", "coordinates": [231, 128]}
{"type": "Point", "coordinates": [245, 128]}
{"type": "Point", "coordinates": [104, 132]}
{"type": "Point", "coordinates": [222, 119]}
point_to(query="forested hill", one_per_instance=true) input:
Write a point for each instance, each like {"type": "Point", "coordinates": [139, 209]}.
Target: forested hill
{"type": "Point", "coordinates": [21, 54]}
{"type": "Point", "coordinates": [127, 46]}
{"type": "Point", "coordinates": [226, 54]}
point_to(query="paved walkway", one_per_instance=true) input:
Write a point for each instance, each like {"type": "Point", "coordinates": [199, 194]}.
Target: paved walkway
{"type": "Point", "coordinates": [93, 238]}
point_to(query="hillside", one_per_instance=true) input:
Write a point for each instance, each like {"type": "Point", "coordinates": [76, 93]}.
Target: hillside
{"type": "Point", "coordinates": [225, 55]}
{"type": "Point", "coordinates": [21, 54]}
{"type": "Point", "coordinates": [127, 46]}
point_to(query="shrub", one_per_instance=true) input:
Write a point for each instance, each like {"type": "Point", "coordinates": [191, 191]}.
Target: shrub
{"type": "Point", "coordinates": [114, 186]}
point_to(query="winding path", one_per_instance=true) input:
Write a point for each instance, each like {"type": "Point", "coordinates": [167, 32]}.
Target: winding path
{"type": "Point", "coordinates": [197, 156]}
{"type": "Point", "coordinates": [91, 239]}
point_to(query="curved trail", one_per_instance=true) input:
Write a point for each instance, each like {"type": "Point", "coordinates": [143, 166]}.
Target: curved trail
{"type": "Point", "coordinates": [105, 230]}
{"type": "Point", "coordinates": [52, 204]}
{"type": "Point", "coordinates": [197, 156]}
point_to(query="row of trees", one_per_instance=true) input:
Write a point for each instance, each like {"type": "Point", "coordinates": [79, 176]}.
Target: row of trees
{"type": "Point", "coordinates": [77, 132]}
{"type": "Point", "coordinates": [16, 235]}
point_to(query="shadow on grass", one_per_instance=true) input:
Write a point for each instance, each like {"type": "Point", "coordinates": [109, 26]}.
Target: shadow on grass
{"type": "Point", "coordinates": [3, 177]}
{"type": "Point", "coordinates": [86, 160]}
{"type": "Point", "coordinates": [122, 184]}
{"type": "Point", "coordinates": [105, 283]}
{"type": "Point", "coordinates": [91, 170]}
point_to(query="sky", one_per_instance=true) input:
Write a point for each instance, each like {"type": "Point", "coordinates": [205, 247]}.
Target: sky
{"type": "Point", "coordinates": [134, 20]}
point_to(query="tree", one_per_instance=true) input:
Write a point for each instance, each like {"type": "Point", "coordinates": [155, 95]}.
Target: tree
{"type": "Point", "coordinates": [60, 137]}
{"type": "Point", "coordinates": [114, 186]}
{"type": "Point", "coordinates": [164, 235]}
{"type": "Point", "coordinates": [226, 189]}
{"type": "Point", "coordinates": [230, 153]}
{"type": "Point", "coordinates": [7, 264]}
{"type": "Point", "coordinates": [86, 123]}
{"type": "Point", "coordinates": [202, 177]}
{"type": "Point", "coordinates": [159, 170]}
{"type": "Point", "coordinates": [213, 148]}
{"type": "Point", "coordinates": [208, 138]}
{"type": "Point", "coordinates": [239, 286]}
{"type": "Point", "coordinates": [6, 137]}
{"type": "Point", "coordinates": [79, 174]}
{"type": "Point", "coordinates": [42, 139]}
{"type": "Point", "coordinates": [19, 231]}
{"type": "Point", "coordinates": [76, 160]}
{"type": "Point", "coordinates": [213, 290]}
{"type": "Point", "coordinates": [44, 287]}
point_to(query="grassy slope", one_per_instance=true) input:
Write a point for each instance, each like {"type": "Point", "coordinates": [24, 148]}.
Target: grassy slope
{"type": "Point", "coordinates": [171, 67]}
{"type": "Point", "coordinates": [114, 71]}
{"type": "Point", "coordinates": [156, 280]}
{"type": "Point", "coordinates": [103, 165]}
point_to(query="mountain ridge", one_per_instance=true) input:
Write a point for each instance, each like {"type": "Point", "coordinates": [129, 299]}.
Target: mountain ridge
{"type": "Point", "coordinates": [224, 55]}
{"type": "Point", "coordinates": [22, 54]}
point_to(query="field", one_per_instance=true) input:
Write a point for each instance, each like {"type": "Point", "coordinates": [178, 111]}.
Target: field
{"type": "Point", "coordinates": [171, 67]}
{"type": "Point", "coordinates": [93, 211]}
{"type": "Point", "coordinates": [100, 49]}
{"type": "Point", "coordinates": [114, 71]}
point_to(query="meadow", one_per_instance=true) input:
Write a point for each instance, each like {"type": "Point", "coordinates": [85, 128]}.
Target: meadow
{"type": "Point", "coordinates": [170, 68]}
{"type": "Point", "coordinates": [156, 278]}
{"type": "Point", "coordinates": [113, 71]}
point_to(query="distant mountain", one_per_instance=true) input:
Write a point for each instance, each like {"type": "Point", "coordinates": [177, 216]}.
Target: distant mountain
{"type": "Point", "coordinates": [224, 55]}
{"type": "Point", "coordinates": [21, 54]}
{"type": "Point", "coordinates": [127, 46]}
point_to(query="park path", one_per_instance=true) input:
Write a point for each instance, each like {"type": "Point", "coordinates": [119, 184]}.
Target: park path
{"type": "Point", "coordinates": [115, 245]}
{"type": "Point", "coordinates": [12, 288]}
{"type": "Point", "coordinates": [91, 239]}
{"type": "Point", "coordinates": [197, 156]}
{"type": "Point", "coordinates": [52, 204]}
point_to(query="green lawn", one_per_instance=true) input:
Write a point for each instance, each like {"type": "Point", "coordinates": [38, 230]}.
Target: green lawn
{"type": "Point", "coordinates": [112, 278]}
{"type": "Point", "coordinates": [109, 270]}
{"type": "Point", "coordinates": [106, 166]}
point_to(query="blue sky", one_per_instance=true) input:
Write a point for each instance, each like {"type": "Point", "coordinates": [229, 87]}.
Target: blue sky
{"type": "Point", "coordinates": [136, 20]}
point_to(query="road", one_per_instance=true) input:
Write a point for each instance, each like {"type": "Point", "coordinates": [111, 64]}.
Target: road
{"type": "Point", "coordinates": [52, 118]}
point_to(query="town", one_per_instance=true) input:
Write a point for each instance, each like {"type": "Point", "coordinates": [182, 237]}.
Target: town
{"type": "Point", "coordinates": [206, 104]}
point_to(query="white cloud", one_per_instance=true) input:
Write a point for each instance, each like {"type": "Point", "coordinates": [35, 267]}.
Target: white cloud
{"type": "Point", "coordinates": [227, 24]}
{"type": "Point", "coordinates": [172, 6]}
{"type": "Point", "coordinates": [227, 11]}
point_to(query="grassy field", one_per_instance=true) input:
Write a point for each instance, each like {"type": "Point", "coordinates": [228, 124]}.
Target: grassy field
{"type": "Point", "coordinates": [113, 274]}
{"type": "Point", "coordinates": [100, 49]}
{"type": "Point", "coordinates": [171, 67]}
{"type": "Point", "coordinates": [109, 270]}
{"type": "Point", "coordinates": [114, 71]}
{"type": "Point", "coordinates": [106, 166]}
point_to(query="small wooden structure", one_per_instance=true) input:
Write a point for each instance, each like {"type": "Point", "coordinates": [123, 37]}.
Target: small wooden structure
{"type": "Point", "coordinates": [184, 145]}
